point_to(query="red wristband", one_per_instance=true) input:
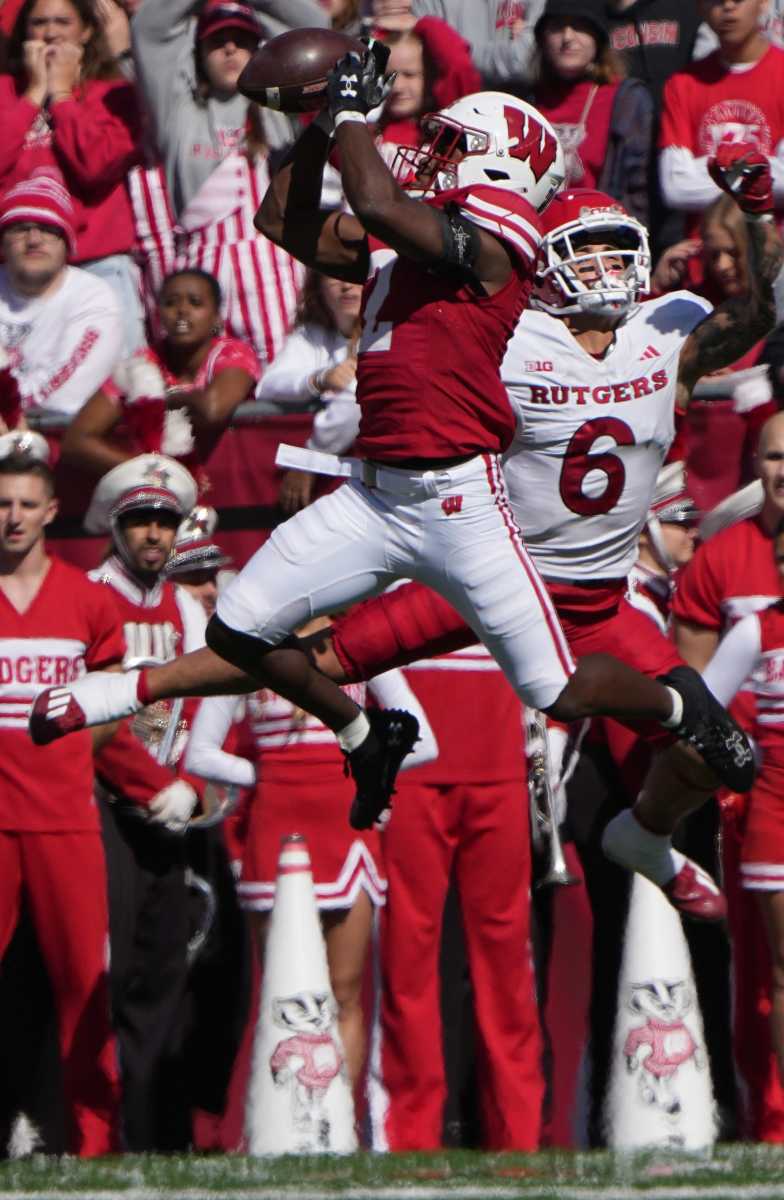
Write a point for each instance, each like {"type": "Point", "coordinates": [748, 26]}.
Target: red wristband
{"type": "Point", "coordinates": [142, 690]}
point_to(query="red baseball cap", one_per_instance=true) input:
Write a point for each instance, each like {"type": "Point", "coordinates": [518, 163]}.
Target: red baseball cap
{"type": "Point", "coordinates": [227, 14]}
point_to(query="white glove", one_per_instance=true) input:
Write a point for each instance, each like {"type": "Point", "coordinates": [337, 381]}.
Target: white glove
{"type": "Point", "coordinates": [173, 806]}
{"type": "Point", "coordinates": [137, 378]}
{"type": "Point", "coordinates": [102, 695]}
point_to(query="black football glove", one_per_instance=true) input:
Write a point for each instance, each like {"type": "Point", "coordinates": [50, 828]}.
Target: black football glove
{"type": "Point", "coordinates": [356, 84]}
{"type": "Point", "coordinates": [377, 84]}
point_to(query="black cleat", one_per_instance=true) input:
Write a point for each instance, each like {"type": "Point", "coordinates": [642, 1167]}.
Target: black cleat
{"type": "Point", "coordinates": [375, 764]}
{"type": "Point", "coordinates": [709, 728]}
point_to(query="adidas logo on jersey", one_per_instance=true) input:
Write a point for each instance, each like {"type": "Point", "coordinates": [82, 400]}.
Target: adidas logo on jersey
{"type": "Point", "coordinates": [650, 352]}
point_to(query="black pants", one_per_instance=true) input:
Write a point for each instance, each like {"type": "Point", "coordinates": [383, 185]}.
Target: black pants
{"type": "Point", "coordinates": [148, 921]}
{"type": "Point", "coordinates": [219, 980]}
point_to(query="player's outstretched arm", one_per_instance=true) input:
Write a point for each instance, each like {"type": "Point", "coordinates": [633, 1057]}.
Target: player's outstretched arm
{"type": "Point", "coordinates": [415, 230]}
{"type": "Point", "coordinates": [334, 243]}
{"type": "Point", "coordinates": [734, 326]}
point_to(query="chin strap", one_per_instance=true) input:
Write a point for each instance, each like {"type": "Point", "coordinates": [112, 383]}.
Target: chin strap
{"type": "Point", "coordinates": [653, 526]}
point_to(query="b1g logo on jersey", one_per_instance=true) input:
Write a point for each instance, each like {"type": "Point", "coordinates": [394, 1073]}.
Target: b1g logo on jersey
{"type": "Point", "coordinates": [538, 364]}
{"type": "Point", "coordinates": [148, 645]}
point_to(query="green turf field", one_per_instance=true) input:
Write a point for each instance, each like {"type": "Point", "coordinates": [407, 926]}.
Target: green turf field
{"type": "Point", "coordinates": [753, 1172]}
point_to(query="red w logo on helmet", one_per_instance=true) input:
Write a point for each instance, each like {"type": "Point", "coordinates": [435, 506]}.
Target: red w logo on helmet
{"type": "Point", "coordinates": [534, 143]}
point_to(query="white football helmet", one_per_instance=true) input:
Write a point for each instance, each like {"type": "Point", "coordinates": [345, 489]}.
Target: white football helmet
{"type": "Point", "coordinates": [503, 142]}
{"type": "Point", "coordinates": [572, 278]}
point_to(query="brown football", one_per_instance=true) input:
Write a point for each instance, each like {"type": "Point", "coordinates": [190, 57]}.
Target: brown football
{"type": "Point", "coordinates": [289, 72]}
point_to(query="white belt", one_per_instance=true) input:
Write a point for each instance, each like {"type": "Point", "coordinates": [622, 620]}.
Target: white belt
{"type": "Point", "coordinates": [386, 479]}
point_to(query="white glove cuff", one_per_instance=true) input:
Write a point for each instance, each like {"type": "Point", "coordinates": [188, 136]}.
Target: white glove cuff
{"type": "Point", "coordinates": [107, 695]}
{"type": "Point", "coordinates": [357, 117]}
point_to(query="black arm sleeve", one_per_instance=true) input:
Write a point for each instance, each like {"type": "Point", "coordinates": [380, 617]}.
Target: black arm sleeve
{"type": "Point", "coordinates": [461, 247]}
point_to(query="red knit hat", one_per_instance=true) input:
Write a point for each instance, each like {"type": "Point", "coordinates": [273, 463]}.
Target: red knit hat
{"type": "Point", "coordinates": [44, 200]}
{"type": "Point", "coordinates": [227, 14]}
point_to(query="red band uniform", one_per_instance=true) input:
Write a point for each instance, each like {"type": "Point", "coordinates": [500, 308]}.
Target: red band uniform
{"type": "Point", "coordinates": [466, 811]}
{"type": "Point", "coordinates": [731, 575]}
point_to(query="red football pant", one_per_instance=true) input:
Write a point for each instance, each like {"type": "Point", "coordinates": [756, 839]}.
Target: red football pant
{"type": "Point", "coordinates": [480, 831]}
{"type": "Point", "coordinates": [414, 622]}
{"type": "Point", "coordinates": [64, 880]}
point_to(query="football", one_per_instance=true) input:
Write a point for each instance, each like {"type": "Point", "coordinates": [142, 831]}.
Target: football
{"type": "Point", "coordinates": [289, 72]}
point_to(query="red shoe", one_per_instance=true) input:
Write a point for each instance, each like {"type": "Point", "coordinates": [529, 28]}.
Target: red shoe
{"type": "Point", "coordinates": [695, 894]}
{"type": "Point", "coordinates": [54, 714]}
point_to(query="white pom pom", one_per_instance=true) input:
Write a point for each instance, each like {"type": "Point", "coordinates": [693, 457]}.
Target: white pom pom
{"type": "Point", "coordinates": [177, 433]}
{"type": "Point", "coordinates": [143, 379]}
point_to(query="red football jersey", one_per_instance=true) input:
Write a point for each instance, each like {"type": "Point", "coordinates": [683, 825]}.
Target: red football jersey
{"type": "Point", "coordinates": [70, 627]}
{"type": "Point", "coordinates": [729, 577]}
{"type": "Point", "coordinates": [428, 380]}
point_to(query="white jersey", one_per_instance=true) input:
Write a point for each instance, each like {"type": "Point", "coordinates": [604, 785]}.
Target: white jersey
{"type": "Point", "coordinates": [64, 345]}
{"type": "Point", "coordinates": [592, 434]}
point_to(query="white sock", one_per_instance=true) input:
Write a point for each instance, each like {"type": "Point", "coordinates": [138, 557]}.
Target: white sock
{"type": "Point", "coordinates": [676, 716]}
{"type": "Point", "coordinates": [628, 843]}
{"type": "Point", "coordinates": [353, 734]}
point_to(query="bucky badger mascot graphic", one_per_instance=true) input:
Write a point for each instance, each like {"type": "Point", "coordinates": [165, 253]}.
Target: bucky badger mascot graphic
{"type": "Point", "coordinates": [307, 1061]}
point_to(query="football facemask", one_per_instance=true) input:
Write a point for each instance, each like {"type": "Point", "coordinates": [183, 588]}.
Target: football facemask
{"type": "Point", "coordinates": [594, 258]}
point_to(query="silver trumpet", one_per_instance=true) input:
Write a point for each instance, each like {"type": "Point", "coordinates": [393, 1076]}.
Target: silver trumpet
{"type": "Point", "coordinates": [545, 833]}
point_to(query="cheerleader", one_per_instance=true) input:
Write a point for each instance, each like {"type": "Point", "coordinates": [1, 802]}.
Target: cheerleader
{"type": "Point", "coordinates": [297, 770]}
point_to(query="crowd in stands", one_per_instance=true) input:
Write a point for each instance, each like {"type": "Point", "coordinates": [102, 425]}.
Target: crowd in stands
{"type": "Point", "coordinates": [140, 309]}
